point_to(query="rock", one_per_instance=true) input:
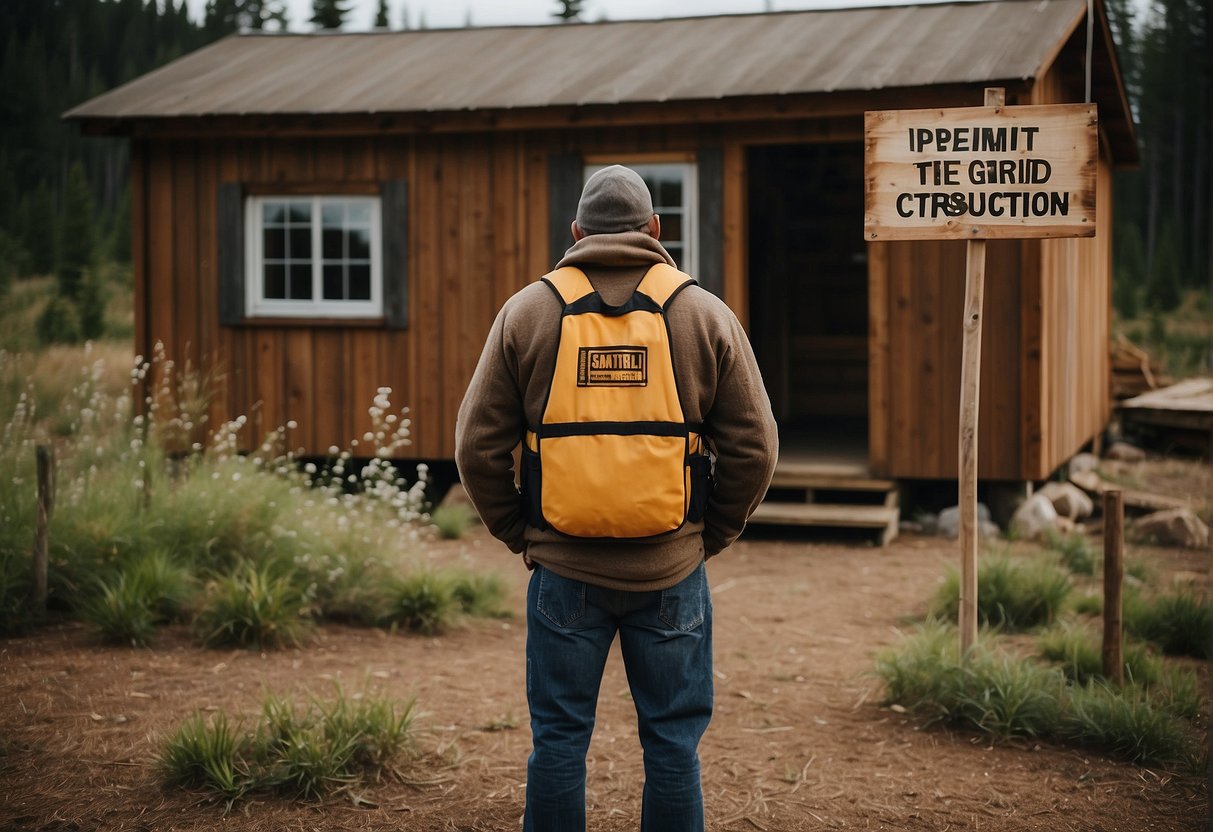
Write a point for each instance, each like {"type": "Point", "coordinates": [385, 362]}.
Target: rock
{"type": "Point", "coordinates": [1173, 527]}
{"type": "Point", "coordinates": [1083, 462]}
{"type": "Point", "coordinates": [1125, 452]}
{"type": "Point", "coordinates": [1069, 500]}
{"type": "Point", "coordinates": [1034, 517]}
{"type": "Point", "coordinates": [949, 521]}
{"type": "Point", "coordinates": [988, 528]}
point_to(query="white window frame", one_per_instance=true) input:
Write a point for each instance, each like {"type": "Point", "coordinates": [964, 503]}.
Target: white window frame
{"type": "Point", "coordinates": [318, 307]}
{"type": "Point", "coordinates": [690, 203]}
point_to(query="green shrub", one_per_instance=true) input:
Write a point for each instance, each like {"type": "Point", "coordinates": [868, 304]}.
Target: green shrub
{"type": "Point", "coordinates": [1127, 723]}
{"type": "Point", "coordinates": [1179, 622]}
{"type": "Point", "coordinates": [1075, 552]}
{"type": "Point", "coordinates": [15, 615]}
{"type": "Point", "coordinates": [1008, 697]}
{"type": "Point", "coordinates": [480, 595]}
{"type": "Point", "coordinates": [1080, 654]}
{"type": "Point", "coordinates": [1089, 603]}
{"type": "Point", "coordinates": [253, 607]}
{"type": "Point", "coordinates": [997, 695]}
{"type": "Point", "coordinates": [1005, 696]}
{"type": "Point", "coordinates": [170, 586]}
{"type": "Point", "coordinates": [207, 755]}
{"type": "Point", "coordinates": [90, 306]}
{"type": "Point", "coordinates": [1012, 595]}
{"type": "Point", "coordinates": [298, 752]}
{"type": "Point", "coordinates": [58, 322]}
{"type": "Point", "coordinates": [453, 522]}
{"type": "Point", "coordinates": [296, 756]}
{"type": "Point", "coordinates": [122, 610]}
{"type": "Point", "coordinates": [1178, 691]}
{"type": "Point", "coordinates": [423, 602]}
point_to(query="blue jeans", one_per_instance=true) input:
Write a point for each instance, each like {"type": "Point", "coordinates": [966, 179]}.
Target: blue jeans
{"type": "Point", "coordinates": [666, 640]}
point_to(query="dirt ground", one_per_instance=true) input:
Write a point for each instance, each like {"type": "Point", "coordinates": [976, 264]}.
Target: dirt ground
{"type": "Point", "coordinates": [799, 740]}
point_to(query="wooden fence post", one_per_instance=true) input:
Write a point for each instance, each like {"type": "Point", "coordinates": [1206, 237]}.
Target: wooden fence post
{"type": "Point", "coordinates": [46, 506]}
{"type": "Point", "coordinates": [1113, 582]}
{"type": "Point", "coordinates": [970, 395]}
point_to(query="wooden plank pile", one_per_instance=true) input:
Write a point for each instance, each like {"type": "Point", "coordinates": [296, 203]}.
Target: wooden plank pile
{"type": "Point", "coordinates": [1133, 370]}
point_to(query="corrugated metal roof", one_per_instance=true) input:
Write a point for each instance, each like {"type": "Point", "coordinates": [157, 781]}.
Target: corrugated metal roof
{"type": "Point", "coordinates": [600, 63]}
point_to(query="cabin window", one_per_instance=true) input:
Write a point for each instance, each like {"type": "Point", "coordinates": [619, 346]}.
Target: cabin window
{"type": "Point", "coordinates": [314, 256]}
{"type": "Point", "coordinates": [672, 186]}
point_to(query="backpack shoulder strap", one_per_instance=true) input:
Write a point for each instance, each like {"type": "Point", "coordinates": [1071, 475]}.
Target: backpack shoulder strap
{"type": "Point", "coordinates": [663, 282]}
{"type": "Point", "coordinates": [569, 283]}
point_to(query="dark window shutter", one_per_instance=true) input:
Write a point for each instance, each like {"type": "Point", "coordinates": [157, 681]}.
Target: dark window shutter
{"type": "Point", "coordinates": [565, 179]}
{"type": "Point", "coordinates": [394, 215]}
{"type": "Point", "coordinates": [709, 270]}
{"type": "Point", "coordinates": [230, 230]}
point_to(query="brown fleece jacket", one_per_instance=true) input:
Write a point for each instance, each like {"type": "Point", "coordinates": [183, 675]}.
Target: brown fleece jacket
{"type": "Point", "coordinates": [718, 385]}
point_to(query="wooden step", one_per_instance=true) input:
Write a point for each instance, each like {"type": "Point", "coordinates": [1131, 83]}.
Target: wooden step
{"type": "Point", "coordinates": [825, 514]}
{"type": "Point", "coordinates": [790, 477]}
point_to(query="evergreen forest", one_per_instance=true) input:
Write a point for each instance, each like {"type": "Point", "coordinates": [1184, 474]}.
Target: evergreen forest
{"type": "Point", "coordinates": [65, 200]}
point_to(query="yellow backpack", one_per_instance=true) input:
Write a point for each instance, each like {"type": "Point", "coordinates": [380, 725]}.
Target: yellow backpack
{"type": "Point", "coordinates": [614, 456]}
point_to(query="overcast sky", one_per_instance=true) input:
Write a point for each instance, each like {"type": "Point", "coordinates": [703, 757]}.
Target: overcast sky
{"type": "Point", "coordinates": [445, 13]}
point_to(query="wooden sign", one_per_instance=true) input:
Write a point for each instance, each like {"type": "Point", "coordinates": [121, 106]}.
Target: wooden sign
{"type": "Point", "coordinates": [980, 173]}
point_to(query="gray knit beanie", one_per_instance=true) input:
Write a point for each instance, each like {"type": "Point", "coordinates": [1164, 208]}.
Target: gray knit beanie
{"type": "Point", "coordinates": [614, 199]}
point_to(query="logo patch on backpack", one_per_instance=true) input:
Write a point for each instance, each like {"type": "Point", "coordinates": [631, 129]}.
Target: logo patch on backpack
{"type": "Point", "coordinates": [613, 366]}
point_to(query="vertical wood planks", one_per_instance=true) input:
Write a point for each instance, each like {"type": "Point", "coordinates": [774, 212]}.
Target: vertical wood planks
{"type": "Point", "coordinates": [878, 358]}
{"type": "Point", "coordinates": [735, 224]}
{"type": "Point", "coordinates": [426, 353]}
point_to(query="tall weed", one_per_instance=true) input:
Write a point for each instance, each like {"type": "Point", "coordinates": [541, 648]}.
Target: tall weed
{"type": "Point", "coordinates": [1011, 594]}
{"type": "Point", "coordinates": [1178, 622]}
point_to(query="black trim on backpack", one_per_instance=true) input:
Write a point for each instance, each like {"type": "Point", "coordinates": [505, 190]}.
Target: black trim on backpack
{"type": "Point", "coordinates": [557, 429]}
{"type": "Point", "coordinates": [593, 303]}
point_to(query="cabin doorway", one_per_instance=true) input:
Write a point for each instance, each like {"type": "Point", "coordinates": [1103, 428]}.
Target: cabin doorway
{"type": "Point", "coordinates": [808, 279]}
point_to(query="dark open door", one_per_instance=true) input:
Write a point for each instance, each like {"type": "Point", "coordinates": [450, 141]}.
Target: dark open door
{"type": "Point", "coordinates": [808, 291]}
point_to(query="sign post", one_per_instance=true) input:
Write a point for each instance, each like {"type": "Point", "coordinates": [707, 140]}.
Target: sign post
{"type": "Point", "coordinates": [976, 174]}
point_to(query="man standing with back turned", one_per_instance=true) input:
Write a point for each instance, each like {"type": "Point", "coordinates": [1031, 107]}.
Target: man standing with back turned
{"type": "Point", "coordinates": [647, 441]}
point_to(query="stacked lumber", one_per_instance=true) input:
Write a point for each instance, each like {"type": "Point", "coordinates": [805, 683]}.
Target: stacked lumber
{"type": "Point", "coordinates": [1133, 370]}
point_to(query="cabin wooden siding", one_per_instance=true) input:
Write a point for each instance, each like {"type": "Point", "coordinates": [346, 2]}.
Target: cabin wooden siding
{"type": "Point", "coordinates": [1072, 375]}
{"type": "Point", "coordinates": [479, 231]}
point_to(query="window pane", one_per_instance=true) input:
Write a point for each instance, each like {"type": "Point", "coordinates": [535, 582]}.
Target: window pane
{"type": "Point", "coordinates": [275, 282]}
{"type": "Point", "coordinates": [675, 250]}
{"type": "Point", "coordinates": [669, 192]}
{"type": "Point", "coordinates": [359, 212]}
{"type": "Point", "coordinates": [334, 283]}
{"type": "Point", "coordinates": [333, 242]}
{"type": "Point", "coordinates": [273, 244]}
{"type": "Point", "coordinates": [332, 213]}
{"type": "Point", "coordinates": [300, 213]}
{"type": "Point", "coordinates": [360, 282]}
{"type": "Point", "coordinates": [671, 228]}
{"type": "Point", "coordinates": [273, 213]}
{"type": "Point", "coordinates": [360, 243]}
{"type": "Point", "coordinates": [300, 243]}
{"type": "Point", "coordinates": [301, 282]}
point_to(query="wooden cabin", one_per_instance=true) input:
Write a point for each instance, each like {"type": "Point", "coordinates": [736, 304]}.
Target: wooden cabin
{"type": "Point", "coordinates": [316, 216]}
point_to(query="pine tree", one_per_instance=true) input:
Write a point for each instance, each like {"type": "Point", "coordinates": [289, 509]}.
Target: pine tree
{"type": "Point", "coordinates": [1165, 277]}
{"type": "Point", "coordinates": [79, 233]}
{"type": "Point", "coordinates": [569, 11]}
{"type": "Point", "coordinates": [329, 14]}
{"type": "Point", "coordinates": [1129, 272]}
{"type": "Point", "coordinates": [226, 16]}
{"type": "Point", "coordinates": [381, 21]}
{"type": "Point", "coordinates": [39, 226]}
